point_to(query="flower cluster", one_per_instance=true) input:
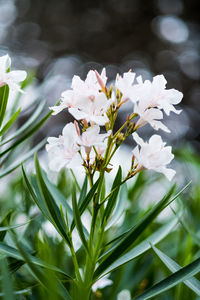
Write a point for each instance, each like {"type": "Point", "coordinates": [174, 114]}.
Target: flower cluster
{"type": "Point", "coordinates": [11, 78]}
{"type": "Point", "coordinates": [93, 104]}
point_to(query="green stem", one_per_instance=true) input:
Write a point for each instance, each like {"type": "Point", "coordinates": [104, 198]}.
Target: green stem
{"type": "Point", "coordinates": [78, 275]}
{"type": "Point", "coordinates": [133, 115]}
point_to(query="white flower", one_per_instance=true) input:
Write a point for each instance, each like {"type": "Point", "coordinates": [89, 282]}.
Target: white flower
{"type": "Point", "coordinates": [151, 116]}
{"type": "Point", "coordinates": [11, 78]}
{"type": "Point", "coordinates": [125, 85]}
{"type": "Point", "coordinates": [153, 155]}
{"type": "Point", "coordinates": [101, 283]}
{"type": "Point", "coordinates": [85, 100]}
{"type": "Point", "coordinates": [124, 295]}
{"type": "Point", "coordinates": [90, 87]}
{"type": "Point", "coordinates": [63, 151]}
{"type": "Point", "coordinates": [92, 137]}
{"type": "Point", "coordinates": [154, 94]}
{"type": "Point", "coordinates": [93, 111]}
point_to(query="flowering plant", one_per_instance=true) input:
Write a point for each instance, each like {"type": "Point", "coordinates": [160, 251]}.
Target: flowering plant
{"type": "Point", "coordinates": [90, 211]}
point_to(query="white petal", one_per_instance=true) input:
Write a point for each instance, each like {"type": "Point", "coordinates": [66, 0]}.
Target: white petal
{"type": "Point", "coordinates": [18, 76]}
{"type": "Point", "coordinates": [138, 139]}
{"type": "Point", "coordinates": [77, 114]}
{"type": "Point", "coordinates": [159, 81]}
{"type": "Point", "coordinates": [57, 108]}
{"type": "Point", "coordinates": [5, 63]}
{"type": "Point", "coordinates": [159, 125]}
{"type": "Point", "coordinates": [169, 173]}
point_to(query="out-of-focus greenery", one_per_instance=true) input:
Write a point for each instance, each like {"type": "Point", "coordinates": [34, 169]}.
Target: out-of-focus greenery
{"type": "Point", "coordinates": [36, 262]}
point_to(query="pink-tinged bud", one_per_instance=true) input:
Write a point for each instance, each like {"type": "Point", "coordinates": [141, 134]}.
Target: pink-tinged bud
{"type": "Point", "coordinates": [77, 128]}
{"type": "Point", "coordinates": [100, 81]}
{"type": "Point", "coordinates": [85, 123]}
{"type": "Point", "coordinates": [87, 149]}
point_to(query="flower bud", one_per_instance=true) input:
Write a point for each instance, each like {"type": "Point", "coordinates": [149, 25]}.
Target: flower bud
{"type": "Point", "coordinates": [119, 139]}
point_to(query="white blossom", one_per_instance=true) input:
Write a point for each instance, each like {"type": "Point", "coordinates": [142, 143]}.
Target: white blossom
{"type": "Point", "coordinates": [151, 116]}
{"type": "Point", "coordinates": [101, 283]}
{"type": "Point", "coordinates": [63, 151]}
{"type": "Point", "coordinates": [93, 111]}
{"type": "Point", "coordinates": [153, 155]}
{"type": "Point", "coordinates": [125, 85]}
{"type": "Point", "coordinates": [86, 100]}
{"type": "Point", "coordinates": [92, 137]}
{"type": "Point", "coordinates": [11, 78]}
{"type": "Point", "coordinates": [124, 295]}
{"type": "Point", "coordinates": [154, 94]}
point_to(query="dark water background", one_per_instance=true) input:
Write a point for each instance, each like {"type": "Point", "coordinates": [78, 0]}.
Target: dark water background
{"type": "Point", "coordinates": [60, 38]}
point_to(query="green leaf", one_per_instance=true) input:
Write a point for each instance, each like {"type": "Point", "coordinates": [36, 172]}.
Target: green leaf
{"type": "Point", "coordinates": [6, 228]}
{"type": "Point", "coordinates": [179, 276]}
{"type": "Point", "coordinates": [111, 202]}
{"type": "Point", "coordinates": [119, 210]}
{"type": "Point", "coordinates": [4, 93]}
{"type": "Point", "coordinates": [58, 196]}
{"type": "Point", "coordinates": [142, 247]}
{"type": "Point", "coordinates": [123, 245]}
{"type": "Point", "coordinates": [78, 219]}
{"type": "Point", "coordinates": [36, 198]}
{"type": "Point", "coordinates": [5, 222]}
{"type": "Point", "coordinates": [12, 252]}
{"type": "Point", "coordinates": [10, 122]}
{"type": "Point", "coordinates": [27, 134]}
{"type": "Point", "coordinates": [192, 283]}
{"type": "Point", "coordinates": [86, 201]}
{"type": "Point", "coordinates": [83, 191]}
{"type": "Point", "coordinates": [20, 292]}
{"type": "Point", "coordinates": [7, 286]}
{"type": "Point", "coordinates": [27, 124]}
{"type": "Point", "coordinates": [22, 159]}
{"type": "Point", "coordinates": [57, 288]}
{"type": "Point", "coordinates": [50, 204]}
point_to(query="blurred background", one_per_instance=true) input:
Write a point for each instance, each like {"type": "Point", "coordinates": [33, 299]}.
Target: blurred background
{"type": "Point", "coordinates": [59, 38]}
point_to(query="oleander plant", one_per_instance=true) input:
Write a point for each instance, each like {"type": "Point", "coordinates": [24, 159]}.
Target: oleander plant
{"type": "Point", "coordinates": [78, 225]}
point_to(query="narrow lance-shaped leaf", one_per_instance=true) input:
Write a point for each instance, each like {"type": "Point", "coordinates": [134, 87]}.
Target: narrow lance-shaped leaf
{"type": "Point", "coordinates": [6, 228]}
{"type": "Point", "coordinates": [50, 204]}
{"type": "Point", "coordinates": [20, 292]}
{"type": "Point", "coordinates": [40, 276]}
{"type": "Point", "coordinates": [124, 245]}
{"type": "Point", "coordinates": [4, 222]}
{"type": "Point", "coordinates": [83, 191]}
{"type": "Point", "coordinates": [10, 122]}
{"type": "Point", "coordinates": [86, 201]}
{"type": "Point", "coordinates": [4, 93]}
{"type": "Point", "coordinates": [27, 134]}
{"type": "Point", "coordinates": [142, 247]}
{"type": "Point", "coordinates": [111, 202]}
{"type": "Point", "coordinates": [22, 159]}
{"type": "Point", "coordinates": [78, 220]}
{"type": "Point", "coordinates": [120, 208]}
{"type": "Point", "coordinates": [58, 196]}
{"type": "Point", "coordinates": [36, 199]}
{"type": "Point", "coordinates": [172, 280]}
{"type": "Point", "coordinates": [27, 124]}
{"type": "Point", "coordinates": [12, 252]}
{"type": "Point", "coordinates": [7, 286]}
{"type": "Point", "coordinates": [192, 283]}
